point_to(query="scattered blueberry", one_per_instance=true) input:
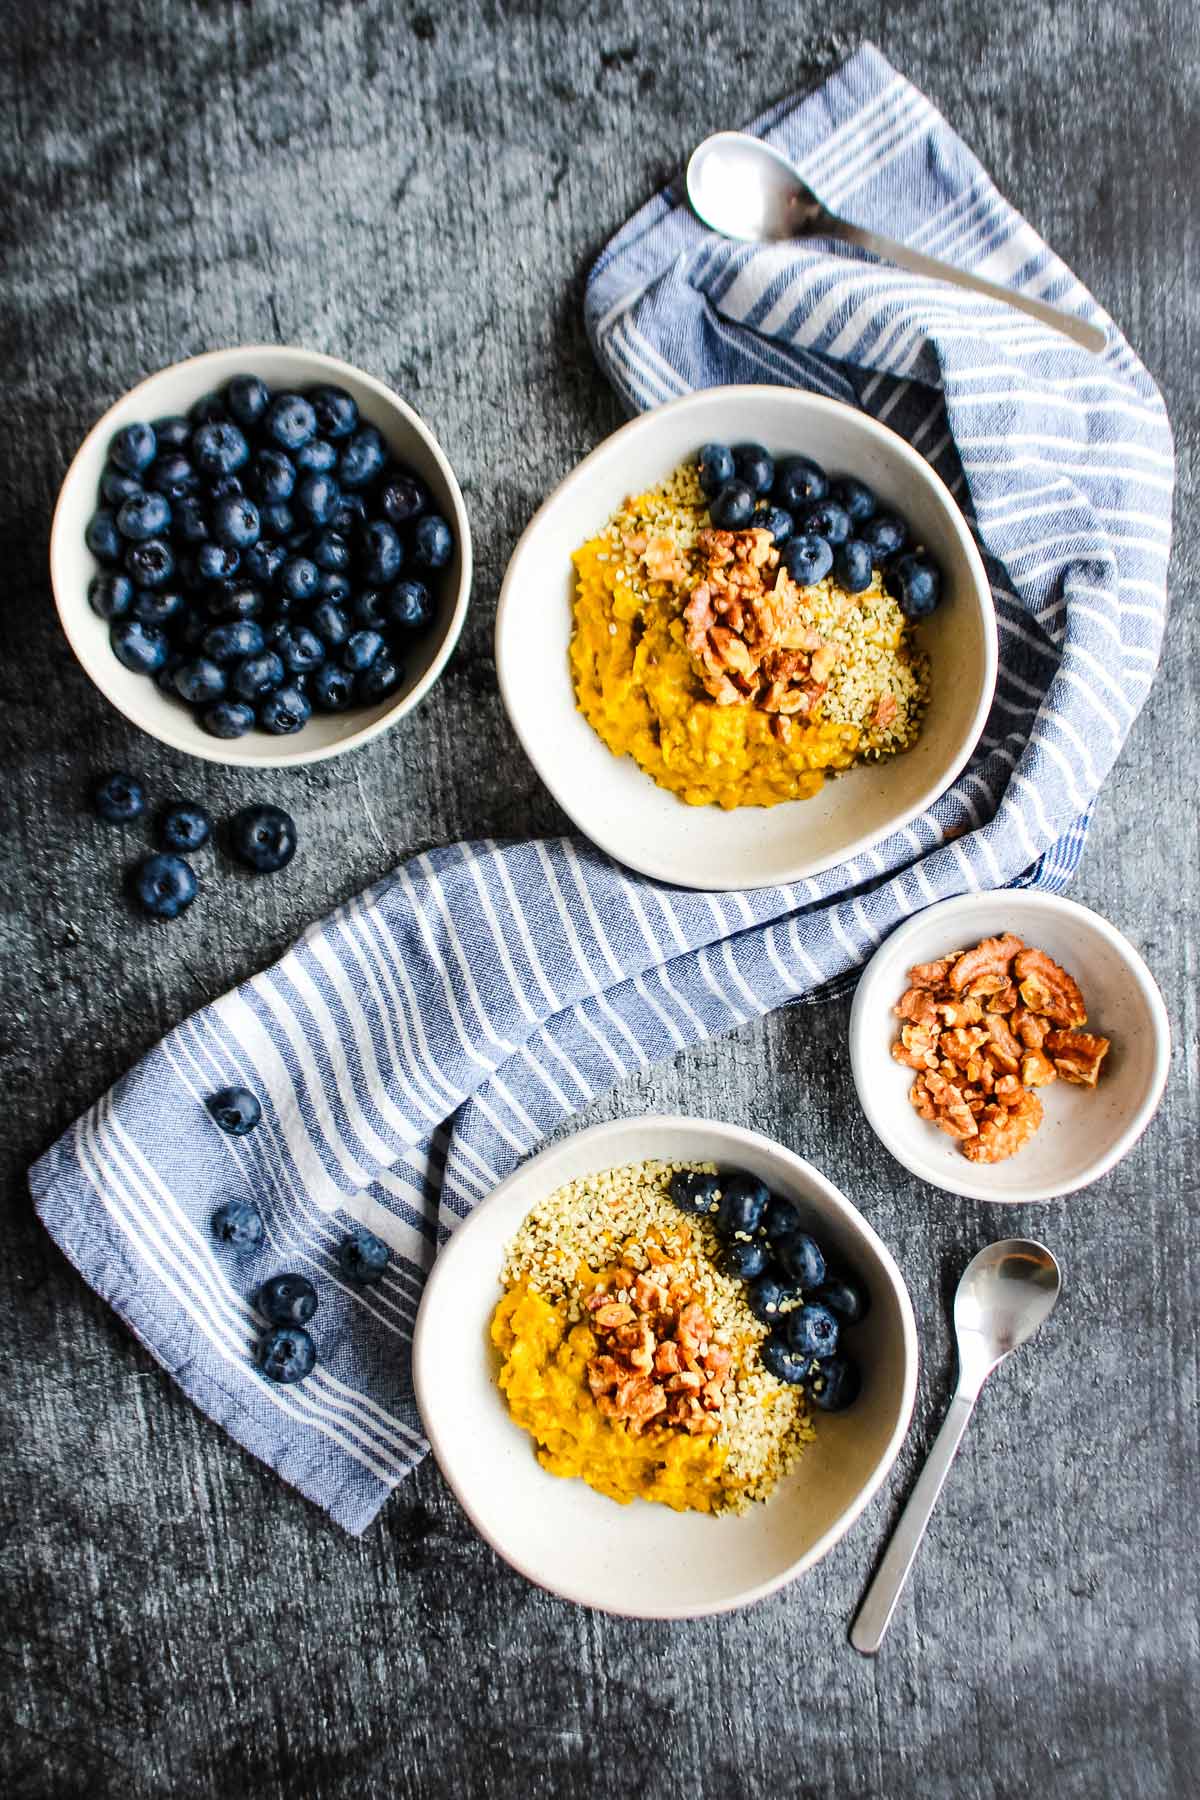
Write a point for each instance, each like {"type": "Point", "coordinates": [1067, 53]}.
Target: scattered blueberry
{"type": "Point", "coordinates": [110, 595]}
{"type": "Point", "coordinates": [102, 537]}
{"type": "Point", "coordinates": [332, 688]}
{"type": "Point", "coordinates": [236, 1110]}
{"type": "Point", "coordinates": [848, 1299]}
{"type": "Point", "coordinates": [141, 648]}
{"type": "Point", "coordinates": [227, 719]}
{"type": "Point", "coordinates": [219, 448]}
{"type": "Point", "coordinates": [812, 1330]}
{"type": "Point", "coordinates": [239, 1224]}
{"type": "Point", "coordinates": [916, 582]}
{"type": "Point", "coordinates": [855, 496]}
{"type": "Point", "coordinates": [693, 1191]}
{"type": "Point", "coordinates": [807, 559]}
{"type": "Point", "coordinates": [363, 1257]}
{"type": "Point", "coordinates": [288, 1299]}
{"type": "Point", "coordinates": [119, 798]}
{"type": "Point", "coordinates": [801, 1258]}
{"type": "Point", "coordinates": [853, 566]}
{"type": "Point", "coordinates": [164, 885]}
{"type": "Point", "coordinates": [284, 711]}
{"type": "Point", "coordinates": [134, 448]}
{"type": "Point", "coordinates": [432, 542]}
{"type": "Point", "coordinates": [884, 535]}
{"type": "Point", "coordinates": [185, 826]}
{"type": "Point", "coordinates": [826, 519]}
{"type": "Point", "coordinates": [743, 1201]}
{"type": "Point", "coordinates": [835, 1383]}
{"type": "Point", "coordinates": [286, 1353]}
{"type": "Point", "coordinates": [264, 838]}
{"type": "Point", "coordinates": [755, 466]}
{"type": "Point", "coordinates": [745, 1262]}
{"type": "Point", "coordinates": [733, 507]}
{"type": "Point", "coordinates": [716, 467]}
{"type": "Point", "coordinates": [797, 480]}
{"type": "Point", "coordinates": [779, 1359]}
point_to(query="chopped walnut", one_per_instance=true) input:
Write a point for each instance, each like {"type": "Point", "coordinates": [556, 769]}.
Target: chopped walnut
{"type": "Point", "coordinates": [1004, 1129]}
{"type": "Point", "coordinates": [1049, 990]}
{"type": "Point", "coordinates": [984, 970]}
{"type": "Point", "coordinates": [1077, 1055]}
{"type": "Point", "coordinates": [657, 1359]}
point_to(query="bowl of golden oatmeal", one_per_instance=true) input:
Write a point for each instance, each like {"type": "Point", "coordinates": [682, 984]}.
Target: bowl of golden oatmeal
{"type": "Point", "coordinates": [722, 693]}
{"type": "Point", "coordinates": [665, 1366]}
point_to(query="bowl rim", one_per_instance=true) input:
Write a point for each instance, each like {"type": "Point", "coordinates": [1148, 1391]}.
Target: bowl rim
{"type": "Point", "coordinates": [293, 756]}
{"type": "Point", "coordinates": [643, 859]}
{"type": "Point", "coordinates": [994, 901]}
{"type": "Point", "coordinates": [425, 1385]}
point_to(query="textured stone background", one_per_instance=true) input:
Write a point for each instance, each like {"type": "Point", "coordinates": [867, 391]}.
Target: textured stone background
{"type": "Point", "coordinates": [421, 191]}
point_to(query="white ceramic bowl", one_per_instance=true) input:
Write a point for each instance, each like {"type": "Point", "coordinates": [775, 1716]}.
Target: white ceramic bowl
{"type": "Point", "coordinates": [644, 1560]}
{"type": "Point", "coordinates": [620, 808]}
{"type": "Point", "coordinates": [72, 564]}
{"type": "Point", "coordinates": [1085, 1132]}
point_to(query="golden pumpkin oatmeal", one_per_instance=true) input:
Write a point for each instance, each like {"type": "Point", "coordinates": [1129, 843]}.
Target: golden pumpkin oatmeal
{"type": "Point", "coordinates": [694, 652]}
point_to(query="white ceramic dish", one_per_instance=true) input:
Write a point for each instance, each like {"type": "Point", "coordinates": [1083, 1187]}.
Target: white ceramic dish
{"type": "Point", "coordinates": [72, 564]}
{"type": "Point", "coordinates": [1085, 1132]}
{"type": "Point", "coordinates": [644, 1560]}
{"type": "Point", "coordinates": [610, 799]}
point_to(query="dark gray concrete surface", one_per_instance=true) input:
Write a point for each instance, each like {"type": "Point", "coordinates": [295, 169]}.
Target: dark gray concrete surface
{"type": "Point", "coordinates": [420, 190]}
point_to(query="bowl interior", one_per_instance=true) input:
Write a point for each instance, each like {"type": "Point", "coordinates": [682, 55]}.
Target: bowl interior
{"type": "Point", "coordinates": [72, 565]}
{"type": "Point", "coordinates": [618, 806]}
{"type": "Point", "coordinates": [1084, 1131]}
{"type": "Point", "coordinates": [643, 1559]}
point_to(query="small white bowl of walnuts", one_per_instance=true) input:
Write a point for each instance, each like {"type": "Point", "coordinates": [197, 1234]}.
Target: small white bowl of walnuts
{"type": "Point", "coordinates": [1009, 1046]}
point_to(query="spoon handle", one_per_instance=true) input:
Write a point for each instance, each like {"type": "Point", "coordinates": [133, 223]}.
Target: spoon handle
{"type": "Point", "coordinates": [875, 1613]}
{"type": "Point", "coordinates": [1089, 337]}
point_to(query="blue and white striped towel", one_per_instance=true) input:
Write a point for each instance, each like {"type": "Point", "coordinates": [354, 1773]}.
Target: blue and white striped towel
{"type": "Point", "coordinates": [412, 1048]}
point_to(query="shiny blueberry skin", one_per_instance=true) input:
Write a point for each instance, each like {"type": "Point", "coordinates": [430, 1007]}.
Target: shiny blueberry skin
{"type": "Point", "coordinates": [301, 649]}
{"type": "Point", "coordinates": [263, 561]}
{"type": "Point", "coordinates": [236, 522]}
{"type": "Point", "coordinates": [173, 476]}
{"type": "Point", "coordinates": [885, 536]}
{"type": "Point", "coordinates": [119, 798]}
{"type": "Point", "coordinates": [226, 601]}
{"type": "Point", "coordinates": [247, 399]}
{"type": "Point", "coordinates": [362, 1256]}
{"type": "Point", "coordinates": [236, 1110]}
{"type": "Point", "coordinates": [298, 578]}
{"type": "Point", "coordinates": [825, 519]}
{"type": "Point", "coordinates": [369, 607]}
{"type": "Point", "coordinates": [164, 678]}
{"type": "Point", "coordinates": [264, 838]}
{"type": "Point", "coordinates": [807, 559]}
{"type": "Point", "coordinates": [780, 1220]}
{"type": "Point", "coordinates": [220, 487]}
{"type": "Point", "coordinates": [330, 623]}
{"type": "Point", "coordinates": [185, 826]}
{"type": "Point", "coordinates": [380, 553]}
{"type": "Point", "coordinates": [256, 675]}
{"type": "Point", "coordinates": [744, 1262]}
{"type": "Point", "coordinates": [692, 1191]}
{"type": "Point", "coordinates": [187, 520]}
{"type": "Point", "coordinates": [317, 457]}
{"type": "Point", "coordinates": [287, 1299]}
{"type": "Point", "coordinates": [332, 688]}
{"type": "Point", "coordinates": [733, 507]}
{"type": "Point", "coordinates": [410, 606]}
{"type": "Point", "coordinates": [773, 519]}
{"type": "Point", "coordinates": [799, 479]}
{"type": "Point", "coordinates": [336, 587]}
{"type": "Point", "coordinates": [401, 498]}
{"type": "Point", "coordinates": [375, 683]}
{"type": "Point", "coordinates": [116, 487]}
{"type": "Point", "coordinates": [755, 466]}
{"type": "Point", "coordinates": [285, 711]}
{"type": "Point", "coordinates": [716, 467]}
{"type": "Point", "coordinates": [157, 606]}
{"type": "Point", "coordinates": [432, 542]}
{"type": "Point", "coordinates": [855, 496]}
{"type": "Point", "coordinates": [200, 681]}
{"type": "Point", "coordinates": [331, 552]}
{"type": "Point", "coordinates": [765, 1296]}
{"type": "Point", "coordinates": [141, 648]}
{"type": "Point", "coordinates": [336, 411]}
{"type": "Point", "coordinates": [238, 1224]}
{"type": "Point", "coordinates": [853, 566]}
{"type": "Point", "coordinates": [916, 583]}
{"type": "Point", "coordinates": [217, 562]}
{"type": "Point", "coordinates": [207, 408]}
{"type": "Point", "coordinates": [351, 513]}
{"type": "Point", "coordinates": [273, 475]}
{"type": "Point", "coordinates": [362, 458]}
{"type": "Point", "coordinates": [812, 1330]}
{"type": "Point", "coordinates": [360, 651]}
{"type": "Point", "coordinates": [801, 1258]}
{"type": "Point", "coordinates": [278, 520]}
{"type": "Point", "coordinates": [110, 595]}
{"type": "Point", "coordinates": [172, 433]}
{"type": "Point", "coordinates": [151, 564]}
{"type": "Point", "coordinates": [227, 719]}
{"type": "Point", "coordinates": [134, 448]}
{"type": "Point", "coordinates": [779, 1359]}
{"type": "Point", "coordinates": [316, 499]}
{"type": "Point", "coordinates": [234, 640]}
{"type": "Point", "coordinates": [849, 1300]}
{"type": "Point", "coordinates": [835, 1383]}
{"type": "Point", "coordinates": [164, 885]}
{"type": "Point", "coordinates": [286, 1354]}
{"type": "Point", "coordinates": [290, 421]}
{"type": "Point", "coordinates": [102, 537]}
{"type": "Point", "coordinates": [218, 447]}
{"type": "Point", "coordinates": [743, 1202]}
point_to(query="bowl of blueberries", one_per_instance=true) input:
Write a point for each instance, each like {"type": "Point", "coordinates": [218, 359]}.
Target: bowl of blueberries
{"type": "Point", "coordinates": [261, 556]}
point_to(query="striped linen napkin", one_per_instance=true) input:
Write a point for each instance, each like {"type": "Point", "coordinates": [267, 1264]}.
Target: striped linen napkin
{"type": "Point", "coordinates": [413, 1047]}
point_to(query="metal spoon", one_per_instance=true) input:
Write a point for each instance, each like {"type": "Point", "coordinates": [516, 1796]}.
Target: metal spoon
{"type": "Point", "coordinates": [744, 189]}
{"type": "Point", "coordinates": [1005, 1293]}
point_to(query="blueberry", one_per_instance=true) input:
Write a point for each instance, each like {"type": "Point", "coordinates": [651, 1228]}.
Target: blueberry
{"type": "Point", "coordinates": [263, 561]}
{"type": "Point", "coordinates": [743, 1201]}
{"type": "Point", "coordinates": [812, 1330]}
{"type": "Point", "coordinates": [825, 519]}
{"type": "Point", "coordinates": [157, 606]}
{"type": "Point", "coordinates": [229, 601]}
{"type": "Point", "coordinates": [290, 421]}
{"type": "Point", "coordinates": [315, 499]}
{"type": "Point", "coordinates": [187, 520]}
{"type": "Point", "coordinates": [852, 566]}
{"type": "Point", "coordinates": [779, 1359]}
{"type": "Point", "coordinates": [733, 508]}
{"type": "Point", "coordinates": [744, 1262]}
{"type": "Point", "coordinates": [797, 480]}
{"type": "Point", "coordinates": [336, 411]}
{"type": "Point", "coordinates": [351, 513]}
{"type": "Point", "coordinates": [332, 688]}
{"type": "Point", "coordinates": [172, 433]}
{"type": "Point", "coordinates": [102, 537]}
{"type": "Point", "coordinates": [401, 498]}
{"type": "Point", "coordinates": [363, 1257]}
{"type": "Point", "coordinates": [755, 466]}
{"type": "Point", "coordinates": [150, 564]}
{"type": "Point", "coordinates": [370, 608]}
{"type": "Point", "coordinates": [173, 476]}
{"type": "Point", "coordinates": [227, 719]}
{"type": "Point", "coordinates": [288, 1299]}
{"type": "Point", "coordinates": [164, 678]}
{"type": "Point", "coordinates": [362, 459]}
{"type": "Point", "coordinates": [217, 562]}
{"type": "Point", "coordinates": [432, 542]}
{"type": "Point", "coordinates": [375, 683]}
{"type": "Point", "coordinates": [317, 457]}
{"type": "Point", "coordinates": [300, 648]}
{"type": "Point", "coordinates": [410, 606]}
{"type": "Point", "coordinates": [285, 711]}
{"type": "Point", "coordinates": [247, 399]}
{"type": "Point", "coordinates": [835, 1383]}
{"type": "Point", "coordinates": [768, 1293]}
{"type": "Point", "coordinates": [330, 623]}
{"type": "Point", "coordinates": [199, 681]}
{"type": "Point", "coordinates": [773, 519]}
{"type": "Point", "coordinates": [164, 885]}
{"type": "Point", "coordinates": [331, 552]}
{"type": "Point", "coordinates": [849, 1300]}
{"type": "Point", "coordinates": [855, 496]}
{"type": "Point", "coordinates": [110, 595]}
{"type": "Point", "coordinates": [801, 1258]}
{"type": "Point", "coordinates": [335, 587]}
{"type": "Point", "coordinates": [256, 675]}
{"type": "Point", "coordinates": [263, 837]}
{"type": "Point", "coordinates": [119, 798]}
{"type": "Point", "coordinates": [380, 553]}
{"type": "Point", "coordinates": [273, 475]}
{"type": "Point", "coordinates": [716, 467]}
{"type": "Point", "coordinates": [695, 1192]}
{"type": "Point", "coordinates": [298, 578]}
{"type": "Point", "coordinates": [142, 648]}
{"type": "Point", "coordinates": [185, 826]}
{"type": "Point", "coordinates": [885, 536]}
{"type": "Point", "coordinates": [278, 520]}
{"type": "Point", "coordinates": [807, 559]}
{"type": "Point", "coordinates": [235, 522]}
{"type": "Point", "coordinates": [134, 448]}
{"type": "Point", "coordinates": [219, 448]}
{"type": "Point", "coordinates": [286, 1353]}
{"type": "Point", "coordinates": [223, 487]}
{"type": "Point", "coordinates": [780, 1220]}
{"type": "Point", "coordinates": [360, 651]}
{"type": "Point", "coordinates": [916, 583]}
{"type": "Point", "coordinates": [237, 1223]}
{"type": "Point", "coordinates": [116, 487]}
{"type": "Point", "coordinates": [207, 408]}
